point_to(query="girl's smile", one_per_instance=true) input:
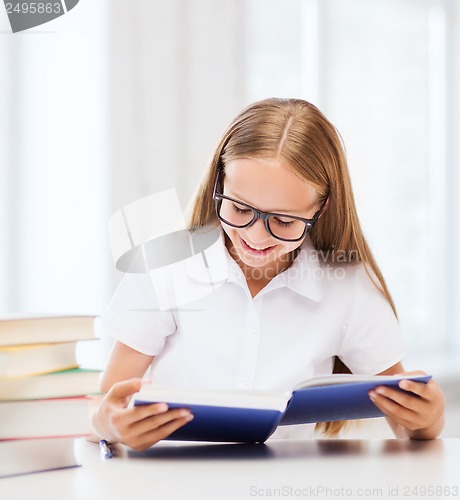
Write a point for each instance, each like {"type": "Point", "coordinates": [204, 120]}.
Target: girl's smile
{"type": "Point", "coordinates": [257, 251]}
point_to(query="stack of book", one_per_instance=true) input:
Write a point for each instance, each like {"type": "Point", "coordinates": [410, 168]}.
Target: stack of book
{"type": "Point", "coordinates": [43, 390]}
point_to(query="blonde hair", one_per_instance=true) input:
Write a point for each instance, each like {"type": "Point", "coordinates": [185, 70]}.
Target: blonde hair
{"type": "Point", "coordinates": [296, 132]}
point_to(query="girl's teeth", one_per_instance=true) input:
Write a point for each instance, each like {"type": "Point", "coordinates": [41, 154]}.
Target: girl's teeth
{"type": "Point", "coordinates": [259, 249]}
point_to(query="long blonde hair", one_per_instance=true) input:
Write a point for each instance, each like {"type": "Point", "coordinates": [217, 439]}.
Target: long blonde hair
{"type": "Point", "coordinates": [296, 132]}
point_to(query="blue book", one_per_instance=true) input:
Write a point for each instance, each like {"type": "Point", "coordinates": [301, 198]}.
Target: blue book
{"type": "Point", "coordinates": [252, 416]}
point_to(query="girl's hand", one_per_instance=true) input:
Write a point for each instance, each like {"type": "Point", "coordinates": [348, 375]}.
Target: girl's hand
{"type": "Point", "coordinates": [420, 412]}
{"type": "Point", "coordinates": [138, 427]}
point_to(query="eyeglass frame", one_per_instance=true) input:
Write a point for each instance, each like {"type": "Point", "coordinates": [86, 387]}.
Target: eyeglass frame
{"type": "Point", "coordinates": [259, 214]}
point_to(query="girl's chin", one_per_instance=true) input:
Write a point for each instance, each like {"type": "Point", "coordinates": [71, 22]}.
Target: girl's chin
{"type": "Point", "coordinates": [254, 263]}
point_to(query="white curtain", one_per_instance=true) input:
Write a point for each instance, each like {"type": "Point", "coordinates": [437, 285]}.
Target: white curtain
{"type": "Point", "coordinates": [126, 98]}
{"type": "Point", "coordinates": [54, 168]}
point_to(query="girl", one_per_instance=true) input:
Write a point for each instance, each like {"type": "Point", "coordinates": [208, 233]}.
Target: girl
{"type": "Point", "coordinates": [303, 296]}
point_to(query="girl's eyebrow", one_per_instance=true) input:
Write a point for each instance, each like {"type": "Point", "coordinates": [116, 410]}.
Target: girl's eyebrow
{"type": "Point", "coordinates": [277, 211]}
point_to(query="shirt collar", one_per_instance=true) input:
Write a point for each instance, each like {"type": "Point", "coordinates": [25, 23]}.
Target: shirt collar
{"type": "Point", "coordinates": [305, 275]}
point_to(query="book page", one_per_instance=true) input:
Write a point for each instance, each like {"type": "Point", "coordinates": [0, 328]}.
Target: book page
{"type": "Point", "coordinates": [350, 378]}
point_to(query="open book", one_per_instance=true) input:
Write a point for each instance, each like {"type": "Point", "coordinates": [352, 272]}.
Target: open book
{"type": "Point", "coordinates": [253, 416]}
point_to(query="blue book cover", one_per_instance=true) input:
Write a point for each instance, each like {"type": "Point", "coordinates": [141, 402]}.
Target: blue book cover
{"type": "Point", "coordinates": [224, 424]}
{"type": "Point", "coordinates": [338, 401]}
{"type": "Point", "coordinates": [253, 416]}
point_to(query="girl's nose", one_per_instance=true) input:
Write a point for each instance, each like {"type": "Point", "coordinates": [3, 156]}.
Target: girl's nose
{"type": "Point", "coordinates": [258, 232]}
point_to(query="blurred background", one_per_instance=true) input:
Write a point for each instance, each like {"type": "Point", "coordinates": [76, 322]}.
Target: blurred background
{"type": "Point", "coordinates": [120, 99]}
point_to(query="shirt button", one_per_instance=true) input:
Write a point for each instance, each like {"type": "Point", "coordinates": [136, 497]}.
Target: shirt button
{"type": "Point", "coordinates": [245, 381]}
{"type": "Point", "coordinates": [253, 329]}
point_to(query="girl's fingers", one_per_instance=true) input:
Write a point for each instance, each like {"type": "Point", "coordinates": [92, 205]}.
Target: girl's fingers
{"type": "Point", "coordinates": [404, 399]}
{"type": "Point", "coordinates": [418, 393]}
{"type": "Point", "coordinates": [130, 423]}
{"type": "Point", "coordinates": [154, 422]}
{"type": "Point", "coordinates": [120, 391]}
{"type": "Point", "coordinates": [152, 436]}
{"type": "Point", "coordinates": [407, 418]}
{"type": "Point", "coordinates": [129, 416]}
{"type": "Point", "coordinates": [389, 406]}
{"type": "Point", "coordinates": [419, 388]}
{"type": "Point", "coordinates": [163, 430]}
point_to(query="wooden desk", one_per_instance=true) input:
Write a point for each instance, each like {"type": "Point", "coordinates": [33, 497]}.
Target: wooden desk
{"type": "Point", "coordinates": [382, 469]}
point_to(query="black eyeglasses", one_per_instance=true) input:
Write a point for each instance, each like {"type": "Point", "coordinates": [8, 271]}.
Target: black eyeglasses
{"type": "Point", "coordinates": [283, 227]}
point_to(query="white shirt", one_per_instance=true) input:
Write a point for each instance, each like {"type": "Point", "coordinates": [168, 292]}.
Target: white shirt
{"type": "Point", "coordinates": [289, 331]}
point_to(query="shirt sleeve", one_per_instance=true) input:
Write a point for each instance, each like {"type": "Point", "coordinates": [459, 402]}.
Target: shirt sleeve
{"type": "Point", "coordinates": [134, 318]}
{"type": "Point", "coordinates": [372, 340]}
